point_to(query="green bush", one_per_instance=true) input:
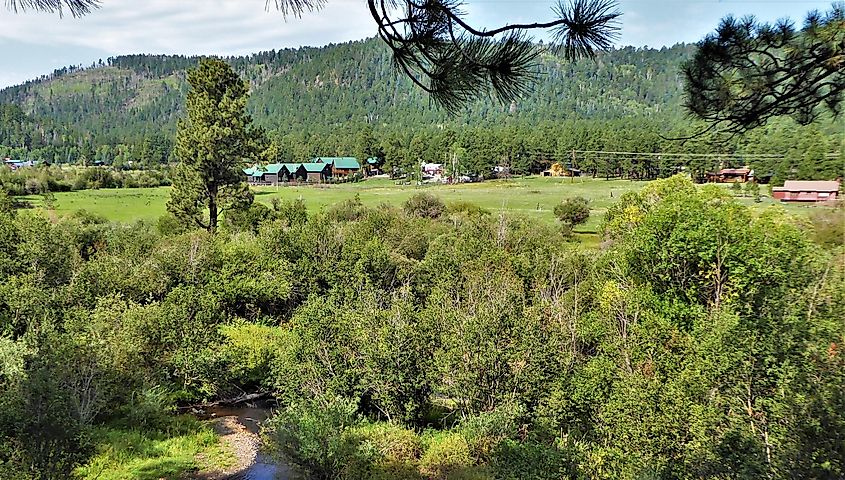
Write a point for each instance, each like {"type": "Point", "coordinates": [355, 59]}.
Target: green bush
{"type": "Point", "coordinates": [829, 224]}
{"type": "Point", "coordinates": [313, 438]}
{"type": "Point", "coordinates": [348, 210]}
{"type": "Point", "coordinates": [292, 212]}
{"type": "Point", "coordinates": [168, 224]}
{"type": "Point", "coordinates": [573, 211]}
{"type": "Point", "coordinates": [150, 408]}
{"type": "Point", "coordinates": [467, 208]}
{"type": "Point", "coordinates": [424, 205]}
{"type": "Point", "coordinates": [388, 451]}
{"type": "Point", "coordinates": [248, 219]}
{"type": "Point", "coordinates": [531, 460]}
{"type": "Point", "coordinates": [484, 432]}
{"type": "Point", "coordinates": [447, 456]}
{"type": "Point", "coordinates": [249, 350]}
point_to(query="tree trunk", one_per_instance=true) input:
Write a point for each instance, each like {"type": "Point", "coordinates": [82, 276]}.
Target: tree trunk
{"type": "Point", "coordinates": [212, 212]}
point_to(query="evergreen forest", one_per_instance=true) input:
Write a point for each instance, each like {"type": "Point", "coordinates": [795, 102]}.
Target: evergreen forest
{"type": "Point", "coordinates": [347, 99]}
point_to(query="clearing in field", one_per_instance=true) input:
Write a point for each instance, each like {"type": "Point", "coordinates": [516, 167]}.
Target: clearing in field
{"type": "Point", "coordinates": [534, 197]}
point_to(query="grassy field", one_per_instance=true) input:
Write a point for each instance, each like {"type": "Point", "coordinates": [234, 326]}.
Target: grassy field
{"type": "Point", "coordinates": [531, 196]}
{"type": "Point", "coordinates": [188, 446]}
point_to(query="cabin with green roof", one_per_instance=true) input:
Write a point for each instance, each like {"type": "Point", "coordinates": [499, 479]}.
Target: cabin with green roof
{"type": "Point", "coordinates": [316, 172]}
{"type": "Point", "coordinates": [340, 165]}
{"type": "Point", "coordinates": [373, 166]}
{"type": "Point", "coordinates": [276, 173]}
{"type": "Point", "coordinates": [270, 174]}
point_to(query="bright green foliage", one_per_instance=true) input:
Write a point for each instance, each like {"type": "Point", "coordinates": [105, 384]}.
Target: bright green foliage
{"type": "Point", "coordinates": [829, 225]}
{"type": "Point", "coordinates": [572, 212]}
{"type": "Point", "coordinates": [313, 438]}
{"type": "Point", "coordinates": [704, 340]}
{"type": "Point", "coordinates": [752, 189]}
{"type": "Point", "coordinates": [185, 445]}
{"type": "Point", "coordinates": [213, 142]}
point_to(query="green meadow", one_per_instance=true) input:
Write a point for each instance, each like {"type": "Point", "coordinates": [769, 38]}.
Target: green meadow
{"type": "Point", "coordinates": [187, 446]}
{"type": "Point", "coordinates": [531, 196]}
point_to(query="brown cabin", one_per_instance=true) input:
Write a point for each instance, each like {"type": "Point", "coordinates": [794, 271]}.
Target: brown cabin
{"type": "Point", "coordinates": [731, 175]}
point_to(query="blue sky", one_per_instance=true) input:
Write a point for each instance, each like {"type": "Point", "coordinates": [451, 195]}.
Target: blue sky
{"type": "Point", "coordinates": [32, 44]}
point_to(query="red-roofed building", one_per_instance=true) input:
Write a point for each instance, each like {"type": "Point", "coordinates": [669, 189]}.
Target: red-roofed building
{"type": "Point", "coordinates": [806, 191]}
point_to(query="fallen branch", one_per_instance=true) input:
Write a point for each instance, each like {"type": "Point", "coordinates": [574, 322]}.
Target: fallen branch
{"type": "Point", "coordinates": [228, 402]}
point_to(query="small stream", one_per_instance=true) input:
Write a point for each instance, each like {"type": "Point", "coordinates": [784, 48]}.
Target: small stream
{"type": "Point", "coordinates": [253, 416]}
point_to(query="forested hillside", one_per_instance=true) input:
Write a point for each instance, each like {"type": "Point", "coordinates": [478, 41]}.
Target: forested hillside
{"type": "Point", "coordinates": [126, 97]}
{"type": "Point", "coordinates": [348, 100]}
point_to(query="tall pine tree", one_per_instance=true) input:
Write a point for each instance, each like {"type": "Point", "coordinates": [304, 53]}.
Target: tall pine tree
{"type": "Point", "coordinates": [213, 142]}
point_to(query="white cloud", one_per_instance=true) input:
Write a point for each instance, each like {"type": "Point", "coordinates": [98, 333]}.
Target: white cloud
{"type": "Point", "coordinates": [36, 43]}
{"type": "Point", "coordinates": [224, 27]}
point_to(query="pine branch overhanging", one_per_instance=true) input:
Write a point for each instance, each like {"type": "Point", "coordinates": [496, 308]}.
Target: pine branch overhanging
{"type": "Point", "coordinates": [75, 7]}
{"type": "Point", "coordinates": [455, 62]}
{"type": "Point", "coordinates": [746, 73]}
{"type": "Point", "coordinates": [440, 52]}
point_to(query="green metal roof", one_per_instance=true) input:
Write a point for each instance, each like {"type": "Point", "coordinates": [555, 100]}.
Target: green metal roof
{"type": "Point", "coordinates": [314, 167]}
{"type": "Point", "coordinates": [372, 160]}
{"type": "Point", "coordinates": [347, 163]}
{"type": "Point", "coordinates": [259, 170]}
{"type": "Point", "coordinates": [339, 162]}
{"type": "Point", "coordinates": [273, 168]}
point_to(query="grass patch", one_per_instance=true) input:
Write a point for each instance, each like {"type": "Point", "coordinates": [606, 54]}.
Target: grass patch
{"type": "Point", "coordinates": [118, 204]}
{"type": "Point", "coordinates": [534, 197]}
{"type": "Point", "coordinates": [531, 196]}
{"type": "Point", "coordinates": [186, 446]}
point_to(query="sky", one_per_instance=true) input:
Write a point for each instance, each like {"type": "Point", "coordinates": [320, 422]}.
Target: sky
{"type": "Point", "coordinates": [33, 44]}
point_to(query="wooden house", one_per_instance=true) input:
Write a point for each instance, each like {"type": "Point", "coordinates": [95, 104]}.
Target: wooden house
{"type": "Point", "coordinates": [314, 172]}
{"type": "Point", "coordinates": [270, 174]}
{"type": "Point", "coordinates": [340, 166]}
{"type": "Point", "coordinates": [731, 175]}
{"type": "Point", "coordinates": [807, 191]}
{"type": "Point", "coordinates": [433, 169]}
{"type": "Point", "coordinates": [288, 173]}
{"type": "Point", "coordinates": [373, 166]}
{"type": "Point", "coordinates": [254, 175]}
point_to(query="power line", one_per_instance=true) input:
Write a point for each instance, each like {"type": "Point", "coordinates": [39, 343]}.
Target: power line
{"type": "Point", "coordinates": [675, 154]}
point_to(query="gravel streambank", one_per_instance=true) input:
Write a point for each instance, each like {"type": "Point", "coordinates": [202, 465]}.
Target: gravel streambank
{"type": "Point", "coordinates": [244, 444]}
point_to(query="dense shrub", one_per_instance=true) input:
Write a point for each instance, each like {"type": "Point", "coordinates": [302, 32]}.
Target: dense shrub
{"type": "Point", "coordinates": [531, 460]}
{"type": "Point", "coordinates": [467, 208]}
{"type": "Point", "coordinates": [518, 355]}
{"type": "Point", "coordinates": [424, 205]}
{"type": "Point", "coordinates": [386, 451]}
{"type": "Point", "coordinates": [54, 178]}
{"type": "Point", "coordinates": [447, 456]}
{"type": "Point", "coordinates": [292, 212]}
{"type": "Point", "coordinates": [313, 437]}
{"type": "Point", "coordinates": [829, 224]}
{"type": "Point", "coordinates": [249, 219]}
{"type": "Point", "coordinates": [348, 210]}
{"type": "Point", "coordinates": [573, 211]}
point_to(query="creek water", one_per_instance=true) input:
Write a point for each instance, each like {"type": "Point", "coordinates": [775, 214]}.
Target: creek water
{"type": "Point", "coordinates": [252, 417]}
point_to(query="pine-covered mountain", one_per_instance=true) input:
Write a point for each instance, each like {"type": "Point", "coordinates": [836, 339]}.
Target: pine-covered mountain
{"type": "Point", "coordinates": [123, 98]}
{"type": "Point", "coordinates": [347, 99]}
